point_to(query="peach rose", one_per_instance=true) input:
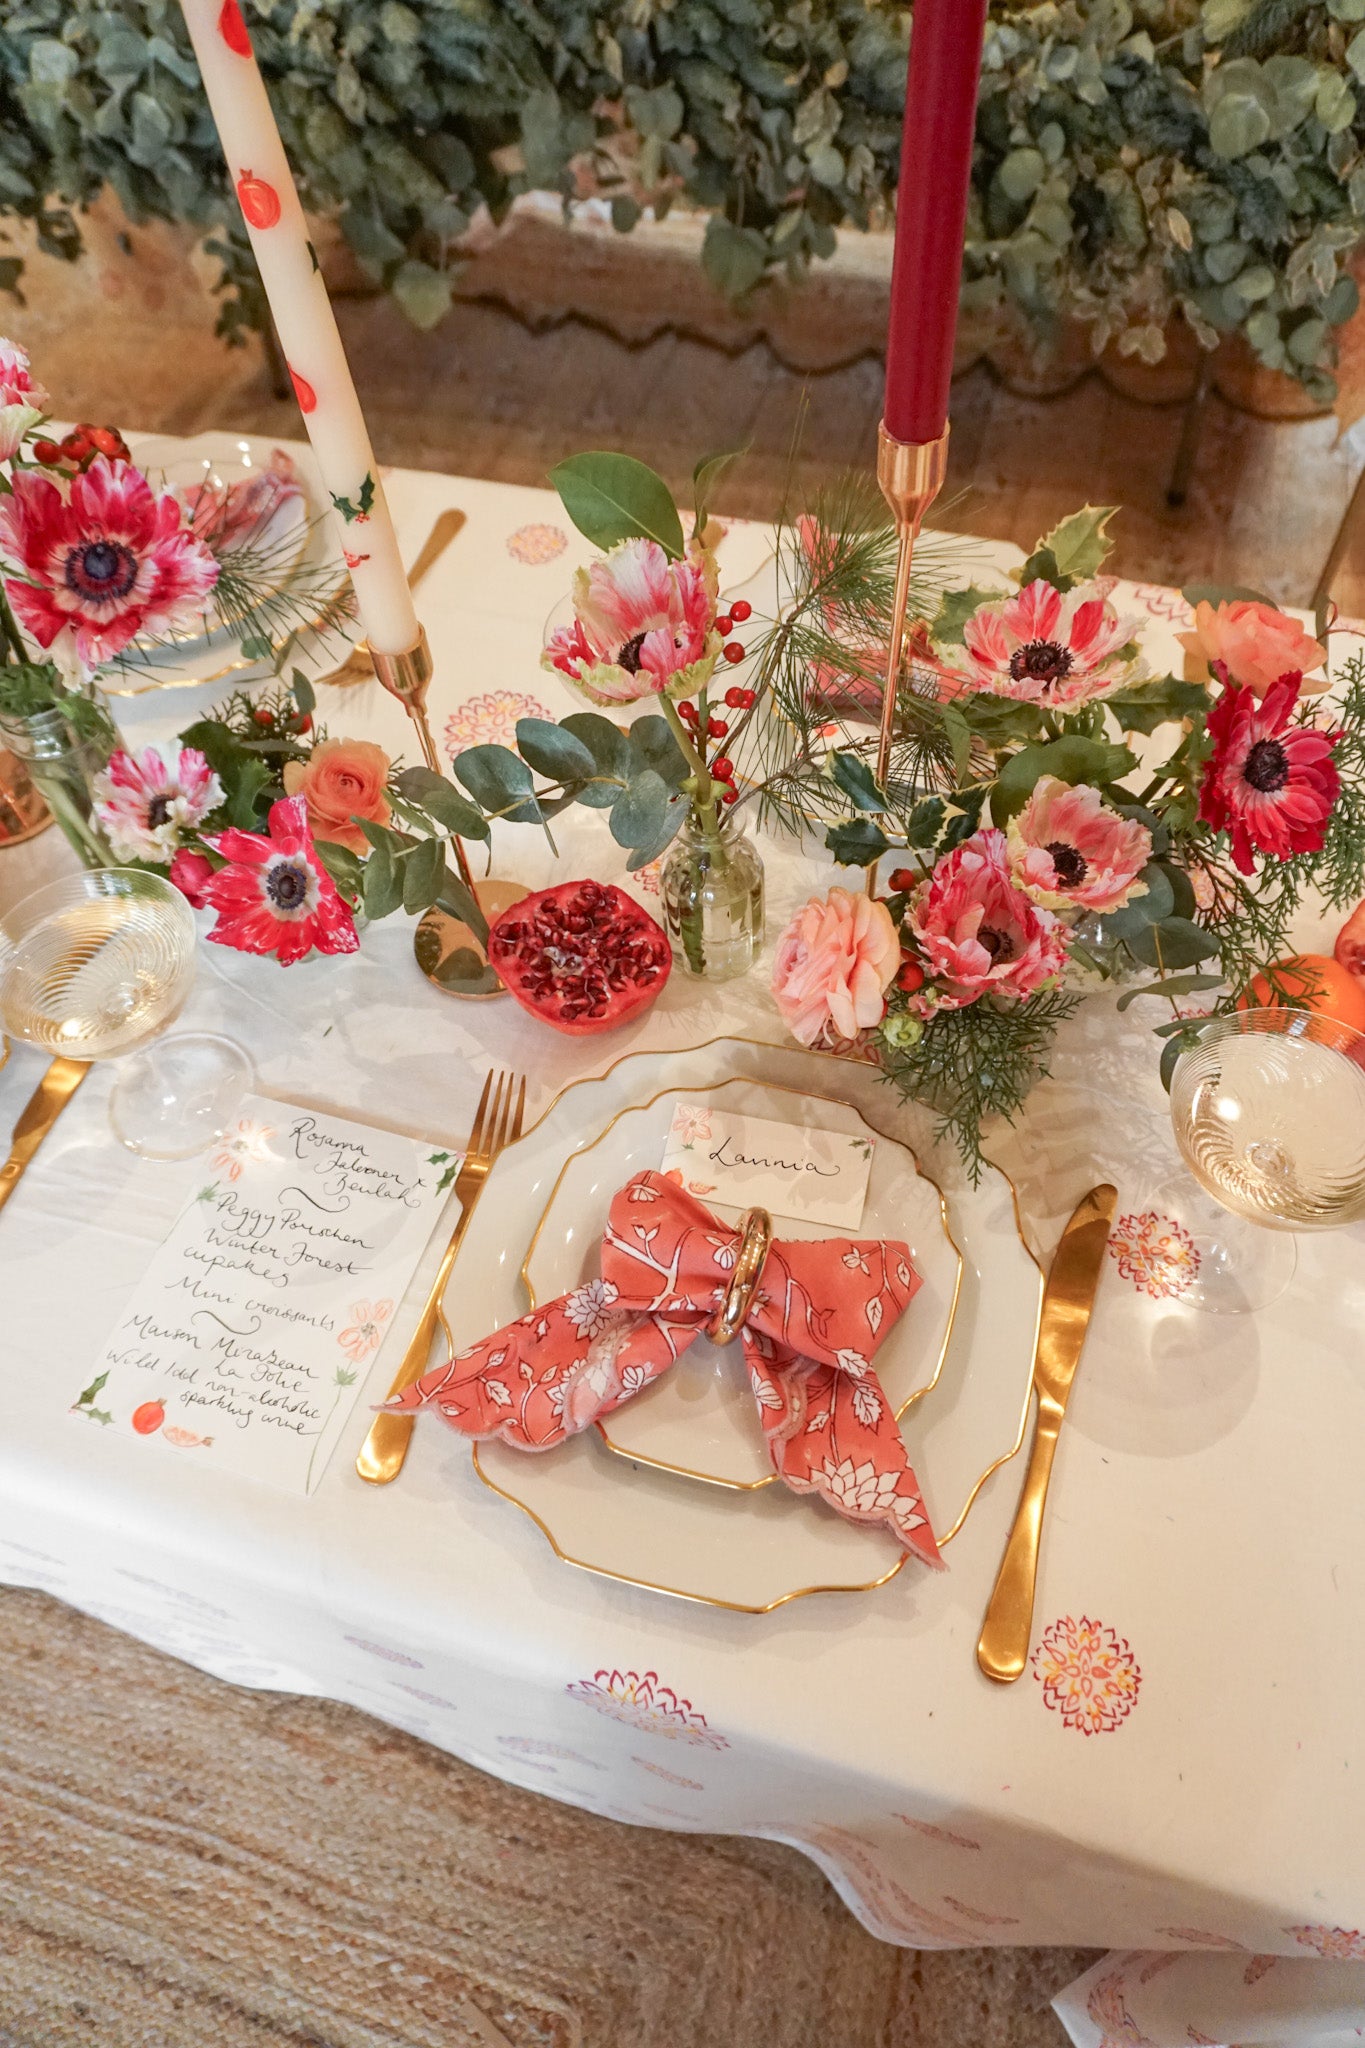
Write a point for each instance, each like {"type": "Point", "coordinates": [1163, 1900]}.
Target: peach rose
{"type": "Point", "coordinates": [343, 780]}
{"type": "Point", "coordinates": [834, 964]}
{"type": "Point", "coordinates": [1256, 642]}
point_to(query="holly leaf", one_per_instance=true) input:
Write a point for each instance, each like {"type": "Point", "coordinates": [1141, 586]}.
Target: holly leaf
{"type": "Point", "coordinates": [363, 505]}
{"type": "Point", "coordinates": [1149, 705]}
{"type": "Point", "coordinates": [857, 842]}
{"type": "Point", "coordinates": [245, 782]}
{"type": "Point", "coordinates": [999, 720]}
{"type": "Point", "coordinates": [1042, 566]}
{"type": "Point", "coordinates": [1079, 544]}
{"type": "Point", "coordinates": [87, 1395]}
{"type": "Point", "coordinates": [1071, 759]}
{"type": "Point", "coordinates": [857, 781]}
{"type": "Point", "coordinates": [953, 613]}
{"type": "Point", "coordinates": [611, 498]}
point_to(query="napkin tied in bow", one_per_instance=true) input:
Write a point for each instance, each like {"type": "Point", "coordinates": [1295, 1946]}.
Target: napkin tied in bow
{"type": "Point", "coordinates": [819, 1312]}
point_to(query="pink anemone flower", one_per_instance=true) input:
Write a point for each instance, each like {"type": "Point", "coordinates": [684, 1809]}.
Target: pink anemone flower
{"type": "Point", "coordinates": [109, 560]}
{"type": "Point", "coordinates": [275, 896]}
{"type": "Point", "coordinates": [979, 933]}
{"type": "Point", "coordinates": [1067, 848]}
{"type": "Point", "coordinates": [1046, 648]}
{"type": "Point", "coordinates": [147, 802]}
{"type": "Point", "coordinates": [643, 626]}
{"type": "Point", "coordinates": [22, 401]}
{"type": "Point", "coordinates": [1271, 786]}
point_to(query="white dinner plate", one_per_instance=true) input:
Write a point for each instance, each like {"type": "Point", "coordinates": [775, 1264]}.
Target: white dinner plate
{"type": "Point", "coordinates": [741, 1549]}
{"type": "Point", "coordinates": [294, 544]}
{"type": "Point", "coordinates": [700, 1420]}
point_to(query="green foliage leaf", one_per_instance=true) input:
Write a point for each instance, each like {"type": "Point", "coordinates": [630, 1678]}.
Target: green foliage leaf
{"type": "Point", "coordinates": [552, 751]}
{"type": "Point", "coordinates": [1071, 759]}
{"type": "Point", "coordinates": [638, 815]}
{"type": "Point", "coordinates": [442, 801]}
{"type": "Point", "coordinates": [382, 890]}
{"type": "Point", "coordinates": [956, 607]}
{"type": "Point", "coordinates": [857, 842]}
{"type": "Point", "coordinates": [1042, 566]}
{"type": "Point", "coordinates": [305, 696]}
{"type": "Point", "coordinates": [1176, 985]}
{"type": "Point", "coordinates": [857, 781]}
{"type": "Point", "coordinates": [461, 901]}
{"type": "Point", "coordinates": [1152, 907]}
{"type": "Point", "coordinates": [1080, 544]}
{"type": "Point", "coordinates": [611, 498]}
{"type": "Point", "coordinates": [423, 871]}
{"type": "Point", "coordinates": [248, 777]}
{"type": "Point", "coordinates": [1176, 943]}
{"type": "Point", "coordinates": [1222, 593]}
{"type": "Point", "coordinates": [734, 258]}
{"type": "Point", "coordinates": [706, 476]}
{"type": "Point", "coordinates": [500, 783]}
{"type": "Point", "coordinates": [652, 745]}
{"type": "Point", "coordinates": [1149, 705]}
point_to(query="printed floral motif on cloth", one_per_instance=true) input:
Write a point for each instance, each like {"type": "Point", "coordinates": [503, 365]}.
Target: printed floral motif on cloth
{"type": "Point", "coordinates": [537, 543]}
{"type": "Point", "coordinates": [1088, 1674]}
{"type": "Point", "coordinates": [1155, 1252]}
{"type": "Point", "coordinates": [490, 718]}
{"type": "Point", "coordinates": [642, 1702]}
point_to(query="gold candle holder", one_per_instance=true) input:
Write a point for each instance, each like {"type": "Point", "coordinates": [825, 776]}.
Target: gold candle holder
{"type": "Point", "coordinates": [911, 476]}
{"type": "Point", "coordinates": [407, 677]}
{"type": "Point", "coordinates": [23, 814]}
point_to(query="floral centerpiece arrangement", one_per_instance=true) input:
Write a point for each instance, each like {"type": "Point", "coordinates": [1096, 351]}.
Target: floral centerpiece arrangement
{"type": "Point", "coordinates": [1056, 816]}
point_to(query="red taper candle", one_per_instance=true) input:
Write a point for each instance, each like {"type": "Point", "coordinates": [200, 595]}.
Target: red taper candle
{"type": "Point", "coordinates": [931, 214]}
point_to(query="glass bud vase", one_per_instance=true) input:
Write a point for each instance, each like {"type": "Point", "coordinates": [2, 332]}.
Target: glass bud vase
{"type": "Point", "coordinates": [62, 764]}
{"type": "Point", "coordinates": [712, 889]}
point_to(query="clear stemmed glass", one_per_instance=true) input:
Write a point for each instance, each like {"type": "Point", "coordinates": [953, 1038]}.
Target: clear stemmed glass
{"type": "Point", "coordinates": [94, 967]}
{"type": "Point", "coordinates": [1269, 1114]}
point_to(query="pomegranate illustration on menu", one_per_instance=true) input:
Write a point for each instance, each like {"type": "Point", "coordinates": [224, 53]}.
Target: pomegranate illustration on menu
{"type": "Point", "coordinates": [260, 202]}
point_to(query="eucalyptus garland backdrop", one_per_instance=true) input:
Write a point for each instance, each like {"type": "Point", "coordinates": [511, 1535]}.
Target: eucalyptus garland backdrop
{"type": "Point", "coordinates": [1135, 158]}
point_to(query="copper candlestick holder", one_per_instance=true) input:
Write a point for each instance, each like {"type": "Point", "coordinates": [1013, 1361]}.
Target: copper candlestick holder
{"type": "Point", "coordinates": [911, 476]}
{"type": "Point", "coordinates": [407, 677]}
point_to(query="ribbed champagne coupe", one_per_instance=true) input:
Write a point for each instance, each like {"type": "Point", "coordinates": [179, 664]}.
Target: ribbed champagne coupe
{"type": "Point", "coordinates": [94, 967]}
{"type": "Point", "coordinates": [1268, 1108]}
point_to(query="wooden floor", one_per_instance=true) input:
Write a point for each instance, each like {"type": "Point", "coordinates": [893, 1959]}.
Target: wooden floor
{"type": "Point", "coordinates": [487, 394]}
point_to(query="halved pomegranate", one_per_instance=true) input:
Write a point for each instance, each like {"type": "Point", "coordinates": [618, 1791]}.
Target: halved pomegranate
{"type": "Point", "coordinates": [583, 957]}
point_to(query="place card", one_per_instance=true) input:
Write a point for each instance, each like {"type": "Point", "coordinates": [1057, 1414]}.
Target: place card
{"type": "Point", "coordinates": [250, 1335]}
{"type": "Point", "coordinates": [748, 1162]}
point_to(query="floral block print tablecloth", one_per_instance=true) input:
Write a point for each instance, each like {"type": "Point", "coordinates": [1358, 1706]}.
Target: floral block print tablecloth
{"type": "Point", "coordinates": [1179, 1776]}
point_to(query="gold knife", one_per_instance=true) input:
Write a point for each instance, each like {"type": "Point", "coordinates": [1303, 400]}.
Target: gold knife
{"type": "Point", "coordinates": [37, 1117]}
{"type": "Point", "coordinates": [1068, 1299]}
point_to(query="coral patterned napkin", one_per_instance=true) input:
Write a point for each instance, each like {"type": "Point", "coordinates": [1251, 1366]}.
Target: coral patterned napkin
{"type": "Point", "coordinates": [819, 1313]}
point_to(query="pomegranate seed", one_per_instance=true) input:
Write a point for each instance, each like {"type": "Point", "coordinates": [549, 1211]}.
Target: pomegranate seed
{"type": "Point", "coordinates": [717, 728]}
{"type": "Point", "coordinates": [903, 878]}
{"type": "Point", "coordinates": [741, 610]}
{"type": "Point", "coordinates": [911, 977]}
{"type": "Point", "coordinates": [732, 651]}
{"type": "Point", "coordinates": [723, 768]}
{"type": "Point", "coordinates": [724, 624]}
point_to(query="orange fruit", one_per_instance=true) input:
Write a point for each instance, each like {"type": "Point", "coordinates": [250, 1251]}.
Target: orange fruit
{"type": "Point", "coordinates": [1350, 946]}
{"type": "Point", "coordinates": [1323, 984]}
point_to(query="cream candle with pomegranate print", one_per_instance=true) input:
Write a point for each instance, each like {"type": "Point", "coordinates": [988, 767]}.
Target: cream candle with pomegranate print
{"type": "Point", "coordinates": [304, 320]}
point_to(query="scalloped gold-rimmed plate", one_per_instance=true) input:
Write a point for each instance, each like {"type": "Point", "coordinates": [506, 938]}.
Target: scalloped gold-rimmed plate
{"type": "Point", "coordinates": [699, 1421]}
{"type": "Point", "coordinates": [748, 1551]}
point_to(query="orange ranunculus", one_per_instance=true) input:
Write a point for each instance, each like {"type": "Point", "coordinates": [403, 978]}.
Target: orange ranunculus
{"type": "Point", "coordinates": [342, 781]}
{"type": "Point", "coordinates": [835, 962]}
{"type": "Point", "coordinates": [1257, 643]}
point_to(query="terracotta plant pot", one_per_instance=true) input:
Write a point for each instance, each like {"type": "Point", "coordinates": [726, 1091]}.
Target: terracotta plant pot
{"type": "Point", "coordinates": [1268, 394]}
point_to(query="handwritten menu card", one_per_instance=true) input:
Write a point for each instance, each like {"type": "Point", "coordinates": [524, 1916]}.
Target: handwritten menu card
{"type": "Point", "coordinates": [747, 1162]}
{"type": "Point", "coordinates": [251, 1334]}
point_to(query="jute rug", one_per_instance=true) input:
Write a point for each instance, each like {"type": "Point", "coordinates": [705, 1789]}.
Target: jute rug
{"type": "Point", "coordinates": [187, 1865]}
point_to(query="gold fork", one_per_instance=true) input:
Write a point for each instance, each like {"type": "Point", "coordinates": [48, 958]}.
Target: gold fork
{"type": "Point", "coordinates": [497, 1122]}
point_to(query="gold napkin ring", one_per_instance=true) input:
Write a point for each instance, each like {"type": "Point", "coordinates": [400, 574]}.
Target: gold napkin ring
{"type": "Point", "coordinates": [755, 1238]}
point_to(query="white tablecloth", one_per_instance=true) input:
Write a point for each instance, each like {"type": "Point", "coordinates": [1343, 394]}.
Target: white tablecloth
{"type": "Point", "coordinates": [1183, 1767]}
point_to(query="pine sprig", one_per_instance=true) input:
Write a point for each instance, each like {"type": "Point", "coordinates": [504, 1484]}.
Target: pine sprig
{"type": "Point", "coordinates": [979, 1062]}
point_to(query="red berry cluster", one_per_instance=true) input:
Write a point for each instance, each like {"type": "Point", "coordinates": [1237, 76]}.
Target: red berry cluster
{"type": "Point", "coordinates": [717, 728]}
{"type": "Point", "coordinates": [281, 720]}
{"type": "Point", "coordinates": [78, 449]}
